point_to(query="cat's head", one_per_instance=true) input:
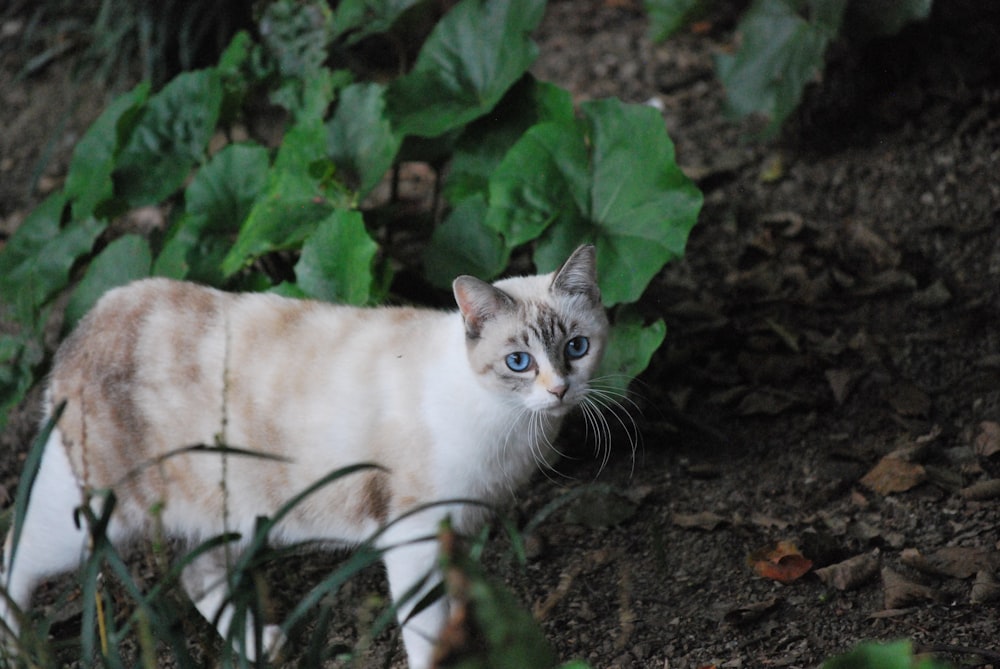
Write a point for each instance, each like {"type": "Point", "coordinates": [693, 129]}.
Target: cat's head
{"type": "Point", "coordinates": [537, 339]}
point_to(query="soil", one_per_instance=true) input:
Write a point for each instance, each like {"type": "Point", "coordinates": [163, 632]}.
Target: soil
{"type": "Point", "coordinates": [831, 374]}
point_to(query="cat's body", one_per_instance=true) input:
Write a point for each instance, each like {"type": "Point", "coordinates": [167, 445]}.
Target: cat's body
{"type": "Point", "coordinates": [451, 405]}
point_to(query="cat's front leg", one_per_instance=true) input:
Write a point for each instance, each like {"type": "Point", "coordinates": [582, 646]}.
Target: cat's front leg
{"type": "Point", "coordinates": [413, 572]}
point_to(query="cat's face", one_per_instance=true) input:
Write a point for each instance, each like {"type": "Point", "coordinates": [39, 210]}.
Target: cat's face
{"type": "Point", "coordinates": [537, 340]}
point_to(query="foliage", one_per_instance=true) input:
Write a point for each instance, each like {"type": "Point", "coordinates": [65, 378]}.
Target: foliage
{"type": "Point", "coordinates": [896, 655]}
{"type": "Point", "coordinates": [526, 175]}
{"type": "Point", "coordinates": [783, 44]}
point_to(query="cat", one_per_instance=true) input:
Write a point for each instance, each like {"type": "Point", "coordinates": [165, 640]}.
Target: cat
{"type": "Point", "coordinates": [451, 405]}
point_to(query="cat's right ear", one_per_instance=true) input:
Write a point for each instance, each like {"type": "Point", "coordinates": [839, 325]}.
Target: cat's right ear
{"type": "Point", "coordinates": [479, 302]}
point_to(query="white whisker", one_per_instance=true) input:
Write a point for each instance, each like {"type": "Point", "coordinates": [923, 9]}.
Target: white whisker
{"type": "Point", "coordinates": [600, 400]}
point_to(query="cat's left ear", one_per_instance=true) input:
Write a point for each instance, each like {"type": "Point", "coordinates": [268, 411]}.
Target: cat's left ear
{"type": "Point", "coordinates": [578, 275]}
{"type": "Point", "coordinates": [479, 302]}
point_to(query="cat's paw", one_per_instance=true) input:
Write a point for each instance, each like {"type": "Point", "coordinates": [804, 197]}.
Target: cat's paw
{"type": "Point", "coordinates": [273, 641]}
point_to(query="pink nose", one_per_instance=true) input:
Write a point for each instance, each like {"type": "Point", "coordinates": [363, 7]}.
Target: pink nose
{"type": "Point", "coordinates": [559, 391]}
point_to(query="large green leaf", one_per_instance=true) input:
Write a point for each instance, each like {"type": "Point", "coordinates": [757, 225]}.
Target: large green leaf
{"type": "Point", "coordinates": [88, 181]}
{"type": "Point", "coordinates": [336, 260]}
{"type": "Point", "coordinates": [224, 190]}
{"type": "Point", "coordinates": [170, 138]}
{"type": "Point", "coordinates": [543, 180]}
{"type": "Point", "coordinates": [217, 201]}
{"type": "Point", "coordinates": [781, 52]}
{"type": "Point", "coordinates": [611, 180]}
{"type": "Point", "coordinates": [475, 53]}
{"type": "Point", "coordinates": [123, 260]}
{"type": "Point", "coordinates": [484, 143]}
{"type": "Point", "coordinates": [287, 213]}
{"type": "Point", "coordinates": [642, 203]}
{"type": "Point", "coordinates": [36, 262]}
{"type": "Point", "coordinates": [299, 194]}
{"type": "Point", "coordinates": [463, 245]}
{"type": "Point", "coordinates": [360, 139]}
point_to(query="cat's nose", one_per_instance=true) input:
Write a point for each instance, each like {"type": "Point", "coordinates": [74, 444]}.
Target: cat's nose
{"type": "Point", "coordinates": [559, 391]}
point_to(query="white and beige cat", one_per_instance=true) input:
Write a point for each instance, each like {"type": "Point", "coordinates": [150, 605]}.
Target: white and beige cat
{"type": "Point", "coordinates": [451, 405]}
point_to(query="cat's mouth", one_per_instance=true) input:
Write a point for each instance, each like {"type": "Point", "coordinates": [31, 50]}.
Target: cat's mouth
{"type": "Point", "coordinates": [556, 406]}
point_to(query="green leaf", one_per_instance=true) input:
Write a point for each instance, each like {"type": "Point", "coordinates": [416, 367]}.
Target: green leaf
{"type": "Point", "coordinates": [20, 357]}
{"type": "Point", "coordinates": [88, 181]}
{"type": "Point", "coordinates": [360, 139]}
{"type": "Point", "coordinates": [36, 262]}
{"type": "Point", "coordinates": [224, 190]}
{"type": "Point", "coordinates": [217, 201]}
{"type": "Point", "coordinates": [309, 96]}
{"type": "Point", "coordinates": [336, 260]}
{"type": "Point", "coordinates": [299, 194]}
{"type": "Point", "coordinates": [643, 204]}
{"type": "Point", "coordinates": [781, 52]}
{"type": "Point", "coordinates": [631, 345]}
{"type": "Point", "coordinates": [37, 230]}
{"type": "Point", "coordinates": [543, 180]}
{"type": "Point", "coordinates": [474, 54]}
{"type": "Point", "coordinates": [236, 55]}
{"type": "Point", "coordinates": [666, 17]}
{"type": "Point", "coordinates": [610, 180]}
{"type": "Point", "coordinates": [361, 18]}
{"type": "Point", "coordinates": [463, 245]}
{"type": "Point", "coordinates": [170, 138]}
{"type": "Point", "coordinates": [282, 218]}
{"type": "Point", "coordinates": [126, 259]}
{"type": "Point", "coordinates": [484, 143]}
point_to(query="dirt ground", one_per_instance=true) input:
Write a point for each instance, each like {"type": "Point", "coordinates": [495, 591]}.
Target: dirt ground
{"type": "Point", "coordinates": [837, 305]}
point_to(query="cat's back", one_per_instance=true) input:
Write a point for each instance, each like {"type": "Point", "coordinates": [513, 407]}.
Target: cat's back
{"type": "Point", "coordinates": [177, 331]}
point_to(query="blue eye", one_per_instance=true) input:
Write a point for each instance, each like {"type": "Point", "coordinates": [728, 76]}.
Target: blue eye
{"type": "Point", "coordinates": [577, 347]}
{"type": "Point", "coordinates": [519, 362]}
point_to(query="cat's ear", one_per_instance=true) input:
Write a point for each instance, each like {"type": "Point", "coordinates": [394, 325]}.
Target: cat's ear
{"type": "Point", "coordinates": [479, 302]}
{"type": "Point", "coordinates": [578, 275]}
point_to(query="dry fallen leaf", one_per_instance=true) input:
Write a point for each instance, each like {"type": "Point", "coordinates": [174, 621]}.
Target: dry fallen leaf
{"type": "Point", "coordinates": [783, 563]}
{"type": "Point", "coordinates": [850, 573]}
{"type": "Point", "coordinates": [950, 561]}
{"type": "Point", "coordinates": [985, 589]}
{"type": "Point", "coordinates": [900, 592]}
{"type": "Point", "coordinates": [704, 520]}
{"type": "Point", "coordinates": [892, 474]}
{"type": "Point", "coordinates": [988, 440]}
